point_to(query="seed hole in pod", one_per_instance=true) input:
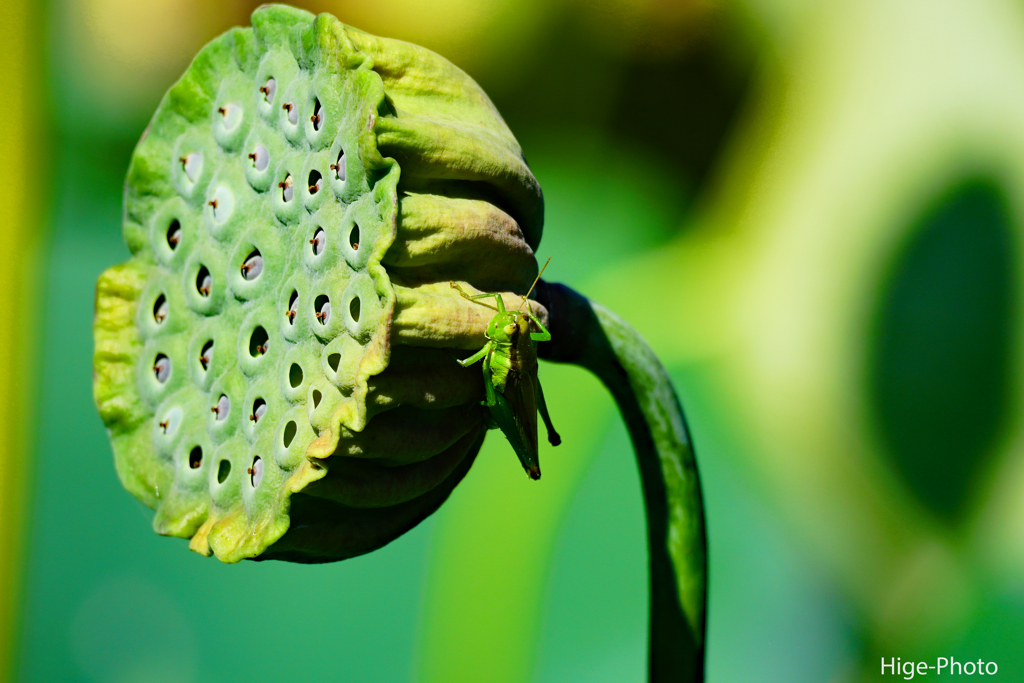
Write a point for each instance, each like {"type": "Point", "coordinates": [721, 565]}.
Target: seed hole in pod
{"type": "Point", "coordinates": [319, 241]}
{"type": "Point", "coordinates": [353, 308]}
{"type": "Point", "coordinates": [318, 115]}
{"type": "Point", "coordinates": [204, 282]}
{"type": "Point", "coordinates": [315, 181]}
{"type": "Point", "coordinates": [334, 360]}
{"type": "Point", "coordinates": [316, 397]}
{"type": "Point", "coordinates": [295, 375]}
{"type": "Point", "coordinates": [222, 408]}
{"type": "Point", "coordinates": [206, 355]}
{"type": "Point", "coordinates": [160, 309]}
{"type": "Point", "coordinates": [323, 308]}
{"type": "Point", "coordinates": [195, 458]}
{"type": "Point", "coordinates": [255, 472]}
{"type": "Point", "coordinates": [353, 238]}
{"type": "Point", "coordinates": [287, 189]}
{"type": "Point", "coordinates": [232, 116]}
{"type": "Point", "coordinates": [223, 470]}
{"type": "Point", "coordinates": [162, 368]}
{"type": "Point", "coordinates": [289, 433]}
{"type": "Point", "coordinates": [192, 165]}
{"type": "Point", "coordinates": [253, 265]}
{"type": "Point", "coordinates": [339, 166]}
{"type": "Point", "coordinates": [293, 112]}
{"type": "Point", "coordinates": [259, 409]}
{"type": "Point", "coordinates": [292, 301]}
{"type": "Point", "coordinates": [174, 234]}
{"type": "Point", "coordinates": [258, 342]}
{"type": "Point", "coordinates": [260, 158]}
{"type": "Point", "coordinates": [269, 90]}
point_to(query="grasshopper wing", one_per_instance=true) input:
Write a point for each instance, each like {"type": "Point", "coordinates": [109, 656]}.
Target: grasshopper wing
{"type": "Point", "coordinates": [516, 415]}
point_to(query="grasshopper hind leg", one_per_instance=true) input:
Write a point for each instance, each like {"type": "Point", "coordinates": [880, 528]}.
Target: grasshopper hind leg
{"type": "Point", "coordinates": [553, 438]}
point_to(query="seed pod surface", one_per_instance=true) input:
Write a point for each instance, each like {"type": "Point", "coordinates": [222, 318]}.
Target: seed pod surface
{"type": "Point", "coordinates": [216, 330]}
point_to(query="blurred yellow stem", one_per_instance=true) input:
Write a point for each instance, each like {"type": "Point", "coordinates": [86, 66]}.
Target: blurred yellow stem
{"type": "Point", "coordinates": [21, 222]}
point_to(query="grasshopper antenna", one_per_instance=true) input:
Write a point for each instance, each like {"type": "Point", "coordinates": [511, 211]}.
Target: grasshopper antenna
{"type": "Point", "coordinates": [535, 281]}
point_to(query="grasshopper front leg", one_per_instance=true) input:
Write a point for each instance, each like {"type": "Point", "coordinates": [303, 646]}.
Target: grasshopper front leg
{"type": "Point", "coordinates": [485, 355]}
{"type": "Point", "coordinates": [490, 400]}
{"type": "Point", "coordinates": [482, 353]}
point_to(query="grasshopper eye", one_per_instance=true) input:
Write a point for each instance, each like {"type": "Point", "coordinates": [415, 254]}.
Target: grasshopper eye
{"type": "Point", "coordinates": [510, 329]}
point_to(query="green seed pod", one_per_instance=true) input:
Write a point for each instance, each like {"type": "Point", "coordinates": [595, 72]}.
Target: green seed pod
{"type": "Point", "coordinates": [275, 362]}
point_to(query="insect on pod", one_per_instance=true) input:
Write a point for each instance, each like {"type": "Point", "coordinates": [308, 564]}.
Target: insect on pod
{"type": "Point", "coordinates": [511, 387]}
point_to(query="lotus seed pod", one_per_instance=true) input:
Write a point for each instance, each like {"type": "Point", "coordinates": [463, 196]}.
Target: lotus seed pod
{"type": "Point", "coordinates": [275, 364]}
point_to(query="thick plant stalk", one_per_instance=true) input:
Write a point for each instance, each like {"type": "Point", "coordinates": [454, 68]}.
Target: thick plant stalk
{"type": "Point", "coordinates": [586, 334]}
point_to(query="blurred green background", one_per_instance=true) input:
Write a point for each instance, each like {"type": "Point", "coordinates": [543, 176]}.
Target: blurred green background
{"type": "Point", "coordinates": [814, 212]}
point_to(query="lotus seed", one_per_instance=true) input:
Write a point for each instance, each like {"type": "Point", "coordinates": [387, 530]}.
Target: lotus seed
{"type": "Point", "coordinates": [222, 407]}
{"type": "Point", "coordinates": [315, 181]}
{"type": "Point", "coordinates": [259, 408]}
{"type": "Point", "coordinates": [174, 234]}
{"type": "Point", "coordinates": [287, 191]}
{"type": "Point", "coordinates": [253, 265]}
{"type": "Point", "coordinates": [339, 166]}
{"type": "Point", "coordinates": [260, 158]}
{"type": "Point", "coordinates": [160, 309]}
{"type": "Point", "coordinates": [317, 118]}
{"type": "Point", "coordinates": [171, 420]}
{"type": "Point", "coordinates": [223, 204]}
{"type": "Point", "coordinates": [291, 307]}
{"type": "Point", "coordinates": [204, 282]}
{"type": "Point", "coordinates": [231, 116]}
{"type": "Point", "coordinates": [293, 113]}
{"type": "Point", "coordinates": [162, 368]}
{"type": "Point", "coordinates": [353, 238]}
{"type": "Point", "coordinates": [258, 342]}
{"type": "Point", "coordinates": [323, 309]}
{"type": "Point", "coordinates": [192, 164]}
{"type": "Point", "coordinates": [255, 472]}
{"type": "Point", "coordinates": [268, 90]}
{"type": "Point", "coordinates": [206, 355]}
{"type": "Point", "coordinates": [195, 458]}
{"type": "Point", "coordinates": [319, 241]}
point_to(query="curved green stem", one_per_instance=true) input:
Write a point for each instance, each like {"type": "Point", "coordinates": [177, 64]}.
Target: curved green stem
{"type": "Point", "coordinates": [586, 334]}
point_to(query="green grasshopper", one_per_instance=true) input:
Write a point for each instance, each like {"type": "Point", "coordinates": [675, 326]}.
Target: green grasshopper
{"type": "Point", "coordinates": [511, 387]}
